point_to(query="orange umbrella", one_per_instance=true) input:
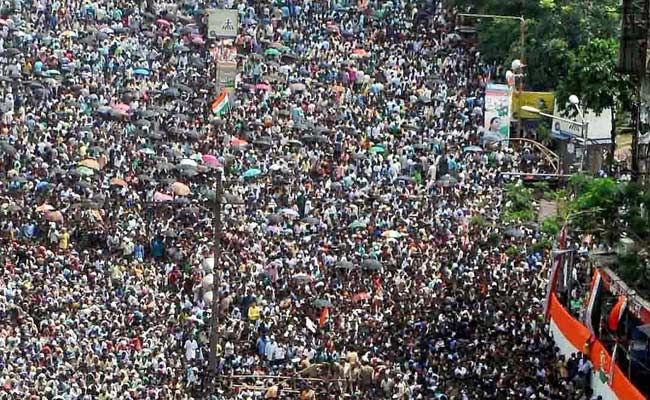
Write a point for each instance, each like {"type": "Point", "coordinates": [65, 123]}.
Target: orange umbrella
{"type": "Point", "coordinates": [180, 189]}
{"type": "Point", "coordinates": [44, 208]}
{"type": "Point", "coordinates": [119, 182]}
{"type": "Point", "coordinates": [54, 216]}
{"type": "Point", "coordinates": [90, 163]}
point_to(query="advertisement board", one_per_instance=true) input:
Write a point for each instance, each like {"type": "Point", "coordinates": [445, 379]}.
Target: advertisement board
{"type": "Point", "coordinates": [599, 126]}
{"type": "Point", "coordinates": [223, 23]}
{"type": "Point", "coordinates": [498, 108]}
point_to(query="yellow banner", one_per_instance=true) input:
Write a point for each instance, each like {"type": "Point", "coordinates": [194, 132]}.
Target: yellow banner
{"type": "Point", "coordinates": [543, 101]}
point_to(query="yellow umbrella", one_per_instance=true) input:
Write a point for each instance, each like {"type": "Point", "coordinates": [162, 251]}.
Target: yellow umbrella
{"type": "Point", "coordinates": [180, 189]}
{"type": "Point", "coordinates": [90, 163]}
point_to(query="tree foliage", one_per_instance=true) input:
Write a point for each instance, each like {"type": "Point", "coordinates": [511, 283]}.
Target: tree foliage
{"type": "Point", "coordinates": [555, 29]}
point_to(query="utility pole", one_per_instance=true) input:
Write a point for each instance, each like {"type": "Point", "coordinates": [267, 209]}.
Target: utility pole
{"type": "Point", "coordinates": [522, 48]}
{"type": "Point", "coordinates": [211, 375]}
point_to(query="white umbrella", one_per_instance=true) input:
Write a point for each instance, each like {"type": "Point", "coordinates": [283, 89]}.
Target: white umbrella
{"type": "Point", "coordinates": [189, 162]}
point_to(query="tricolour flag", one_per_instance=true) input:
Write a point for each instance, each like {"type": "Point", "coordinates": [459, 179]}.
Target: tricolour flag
{"type": "Point", "coordinates": [594, 294]}
{"type": "Point", "coordinates": [324, 315]}
{"type": "Point", "coordinates": [221, 105]}
{"type": "Point", "coordinates": [616, 314]}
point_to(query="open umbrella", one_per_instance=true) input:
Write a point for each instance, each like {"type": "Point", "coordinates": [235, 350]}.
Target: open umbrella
{"type": "Point", "coordinates": [357, 225]}
{"type": "Point", "coordinates": [302, 277]}
{"type": "Point", "coordinates": [311, 221]}
{"type": "Point", "coordinates": [376, 149]}
{"type": "Point", "coordinates": [272, 52]}
{"type": "Point", "coordinates": [405, 178]}
{"type": "Point", "coordinates": [472, 149]}
{"type": "Point", "coordinates": [90, 163]}
{"type": "Point", "coordinates": [251, 173]}
{"type": "Point", "coordinates": [298, 87]}
{"type": "Point", "coordinates": [290, 212]}
{"type": "Point", "coordinates": [321, 303]}
{"type": "Point", "coordinates": [514, 232]}
{"type": "Point", "coordinates": [119, 182]}
{"type": "Point", "coordinates": [238, 142]}
{"type": "Point", "coordinates": [371, 264]}
{"type": "Point", "coordinates": [345, 265]}
{"type": "Point", "coordinates": [54, 216]}
{"type": "Point", "coordinates": [161, 197]}
{"type": "Point", "coordinates": [180, 189]}
{"type": "Point", "coordinates": [163, 22]}
{"type": "Point", "coordinates": [391, 235]}
{"type": "Point", "coordinates": [233, 199]}
{"type": "Point", "coordinates": [7, 149]}
{"type": "Point", "coordinates": [447, 181]}
{"type": "Point", "coordinates": [274, 218]}
{"type": "Point", "coordinates": [85, 171]}
{"type": "Point", "coordinates": [141, 72]}
{"type": "Point", "coordinates": [209, 159]}
{"type": "Point", "coordinates": [45, 208]}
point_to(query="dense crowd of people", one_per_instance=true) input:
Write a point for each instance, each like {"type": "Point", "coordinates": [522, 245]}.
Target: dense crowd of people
{"type": "Point", "coordinates": [353, 165]}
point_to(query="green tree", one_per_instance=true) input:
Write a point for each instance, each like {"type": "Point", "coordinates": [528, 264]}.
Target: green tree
{"type": "Point", "coordinates": [592, 76]}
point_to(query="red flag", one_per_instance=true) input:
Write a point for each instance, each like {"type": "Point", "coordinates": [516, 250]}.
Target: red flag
{"type": "Point", "coordinates": [617, 313]}
{"type": "Point", "coordinates": [324, 315]}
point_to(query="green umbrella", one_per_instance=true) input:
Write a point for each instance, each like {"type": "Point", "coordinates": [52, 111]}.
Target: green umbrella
{"type": "Point", "coordinates": [357, 224]}
{"type": "Point", "coordinates": [376, 149]}
{"type": "Point", "coordinates": [85, 171]}
{"type": "Point", "coordinates": [271, 52]}
{"type": "Point", "coordinates": [252, 173]}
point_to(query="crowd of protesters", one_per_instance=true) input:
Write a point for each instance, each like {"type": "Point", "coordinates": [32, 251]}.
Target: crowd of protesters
{"type": "Point", "coordinates": [353, 164]}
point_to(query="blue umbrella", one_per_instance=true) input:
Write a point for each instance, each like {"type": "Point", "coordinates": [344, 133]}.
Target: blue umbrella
{"type": "Point", "coordinates": [141, 72]}
{"type": "Point", "coordinates": [252, 173]}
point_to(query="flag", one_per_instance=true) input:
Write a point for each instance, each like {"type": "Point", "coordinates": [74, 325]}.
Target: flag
{"type": "Point", "coordinates": [324, 315]}
{"type": "Point", "coordinates": [596, 286]}
{"type": "Point", "coordinates": [617, 313]}
{"type": "Point", "coordinates": [221, 105]}
{"type": "Point", "coordinates": [612, 363]}
{"type": "Point", "coordinates": [550, 286]}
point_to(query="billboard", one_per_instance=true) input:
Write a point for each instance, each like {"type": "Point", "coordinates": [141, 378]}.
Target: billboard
{"type": "Point", "coordinates": [542, 101]}
{"type": "Point", "coordinates": [599, 127]}
{"type": "Point", "coordinates": [222, 23]}
{"type": "Point", "coordinates": [498, 108]}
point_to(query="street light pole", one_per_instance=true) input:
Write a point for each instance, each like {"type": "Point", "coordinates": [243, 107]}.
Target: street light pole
{"type": "Point", "coordinates": [216, 271]}
{"type": "Point", "coordinates": [583, 126]}
{"type": "Point", "coordinates": [522, 47]}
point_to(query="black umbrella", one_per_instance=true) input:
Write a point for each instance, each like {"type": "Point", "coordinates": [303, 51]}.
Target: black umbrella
{"type": "Point", "coordinates": [233, 199]}
{"type": "Point", "coordinates": [171, 92]}
{"type": "Point", "coordinates": [371, 264]}
{"type": "Point", "coordinates": [274, 218]}
{"type": "Point", "coordinates": [180, 117]}
{"type": "Point", "coordinates": [344, 265]}
{"type": "Point", "coordinates": [263, 142]}
{"type": "Point", "coordinates": [6, 148]}
{"type": "Point", "coordinates": [447, 181]}
{"type": "Point", "coordinates": [12, 52]}
{"type": "Point", "coordinates": [184, 88]}
{"type": "Point", "coordinates": [514, 232]}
